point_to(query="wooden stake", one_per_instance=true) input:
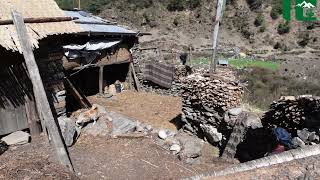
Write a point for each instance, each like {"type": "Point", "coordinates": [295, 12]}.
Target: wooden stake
{"type": "Point", "coordinates": [101, 79]}
{"type": "Point", "coordinates": [213, 66]}
{"type": "Point", "coordinates": [39, 91]}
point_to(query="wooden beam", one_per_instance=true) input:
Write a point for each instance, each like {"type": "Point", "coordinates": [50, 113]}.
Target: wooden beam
{"type": "Point", "coordinates": [213, 66]}
{"type": "Point", "coordinates": [40, 20]}
{"type": "Point", "coordinates": [101, 79]}
{"type": "Point", "coordinates": [80, 97]}
{"type": "Point", "coordinates": [39, 91]}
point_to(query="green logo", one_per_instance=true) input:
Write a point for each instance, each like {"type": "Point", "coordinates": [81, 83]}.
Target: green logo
{"type": "Point", "coordinates": [304, 10]}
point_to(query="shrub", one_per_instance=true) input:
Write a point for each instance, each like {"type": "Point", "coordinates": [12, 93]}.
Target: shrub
{"type": "Point", "coordinates": [259, 20]}
{"type": "Point", "coordinates": [96, 6]}
{"type": "Point", "coordinates": [65, 4]}
{"type": "Point", "coordinates": [304, 39]}
{"type": "Point", "coordinates": [276, 9]}
{"type": "Point", "coordinates": [255, 4]}
{"type": "Point", "coordinates": [194, 4]}
{"type": "Point", "coordinates": [247, 33]}
{"type": "Point", "coordinates": [262, 28]}
{"type": "Point", "coordinates": [176, 5]}
{"type": "Point", "coordinates": [284, 27]}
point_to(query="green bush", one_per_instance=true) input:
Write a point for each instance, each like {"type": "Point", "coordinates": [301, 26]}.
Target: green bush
{"type": "Point", "coordinates": [284, 27]}
{"type": "Point", "coordinates": [259, 20]}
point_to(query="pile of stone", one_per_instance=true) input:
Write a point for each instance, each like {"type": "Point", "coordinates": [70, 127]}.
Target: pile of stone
{"type": "Point", "coordinates": [206, 101]}
{"type": "Point", "coordinates": [294, 113]}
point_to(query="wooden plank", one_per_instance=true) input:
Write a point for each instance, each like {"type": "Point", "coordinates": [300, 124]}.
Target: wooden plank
{"type": "Point", "coordinates": [135, 77]}
{"type": "Point", "coordinates": [213, 66]}
{"type": "Point", "coordinates": [39, 91]}
{"type": "Point", "coordinates": [40, 20]}
{"type": "Point", "coordinates": [101, 79]}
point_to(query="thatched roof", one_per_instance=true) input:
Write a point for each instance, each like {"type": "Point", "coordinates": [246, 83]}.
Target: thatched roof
{"type": "Point", "coordinates": [37, 31]}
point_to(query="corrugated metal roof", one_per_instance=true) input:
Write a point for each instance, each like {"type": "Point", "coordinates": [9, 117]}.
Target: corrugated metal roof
{"type": "Point", "coordinates": [36, 31]}
{"type": "Point", "coordinates": [94, 24]}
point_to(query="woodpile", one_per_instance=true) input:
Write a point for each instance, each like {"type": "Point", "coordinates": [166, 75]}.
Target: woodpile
{"type": "Point", "coordinates": [294, 113]}
{"type": "Point", "coordinates": [205, 103]}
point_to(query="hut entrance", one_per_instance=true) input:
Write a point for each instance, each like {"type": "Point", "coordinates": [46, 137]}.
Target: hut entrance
{"type": "Point", "coordinates": [87, 80]}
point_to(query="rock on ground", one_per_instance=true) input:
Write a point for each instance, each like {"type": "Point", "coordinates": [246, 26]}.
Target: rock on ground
{"type": "Point", "coordinates": [17, 138]}
{"type": "Point", "coordinates": [68, 129]}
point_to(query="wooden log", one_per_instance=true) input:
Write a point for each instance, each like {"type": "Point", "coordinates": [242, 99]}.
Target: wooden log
{"type": "Point", "coordinates": [39, 91]}
{"type": "Point", "coordinates": [40, 20]}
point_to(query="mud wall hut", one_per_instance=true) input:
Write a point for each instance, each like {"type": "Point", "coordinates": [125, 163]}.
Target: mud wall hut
{"type": "Point", "coordinates": [99, 55]}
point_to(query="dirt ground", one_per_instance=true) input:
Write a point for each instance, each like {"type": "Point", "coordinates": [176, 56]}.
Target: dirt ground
{"type": "Point", "coordinates": [32, 161]}
{"type": "Point", "coordinates": [101, 158]}
{"type": "Point", "coordinates": [158, 111]}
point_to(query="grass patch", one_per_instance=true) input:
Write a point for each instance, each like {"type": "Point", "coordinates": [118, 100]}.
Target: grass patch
{"type": "Point", "coordinates": [243, 63]}
{"type": "Point", "coordinates": [201, 61]}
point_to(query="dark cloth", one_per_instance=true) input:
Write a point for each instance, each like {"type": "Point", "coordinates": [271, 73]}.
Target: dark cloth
{"type": "Point", "coordinates": [183, 58]}
{"type": "Point", "coordinates": [158, 73]}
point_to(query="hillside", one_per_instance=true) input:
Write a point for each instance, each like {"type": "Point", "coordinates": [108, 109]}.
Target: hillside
{"type": "Point", "coordinates": [248, 24]}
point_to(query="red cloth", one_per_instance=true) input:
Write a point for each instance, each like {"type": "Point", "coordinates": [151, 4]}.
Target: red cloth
{"type": "Point", "coordinates": [278, 149]}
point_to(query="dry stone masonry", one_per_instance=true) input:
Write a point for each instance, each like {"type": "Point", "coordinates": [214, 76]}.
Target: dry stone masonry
{"type": "Point", "coordinates": [206, 101]}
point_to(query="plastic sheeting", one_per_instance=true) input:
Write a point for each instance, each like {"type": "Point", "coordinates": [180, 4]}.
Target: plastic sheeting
{"type": "Point", "coordinates": [92, 46]}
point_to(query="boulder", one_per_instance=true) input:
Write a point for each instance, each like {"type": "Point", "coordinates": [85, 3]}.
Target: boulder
{"type": "Point", "coordinates": [162, 134]}
{"type": "Point", "coordinates": [191, 148]}
{"type": "Point", "coordinates": [235, 111]}
{"type": "Point", "coordinates": [211, 133]}
{"type": "Point", "coordinates": [253, 121]}
{"type": "Point", "coordinates": [175, 148]}
{"type": "Point", "coordinates": [296, 141]}
{"type": "Point", "coordinates": [303, 135]}
{"type": "Point", "coordinates": [69, 130]}
{"type": "Point", "coordinates": [16, 138]}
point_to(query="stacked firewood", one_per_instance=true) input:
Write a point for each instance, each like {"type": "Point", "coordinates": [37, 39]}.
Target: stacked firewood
{"type": "Point", "coordinates": [205, 102]}
{"type": "Point", "coordinates": [294, 113]}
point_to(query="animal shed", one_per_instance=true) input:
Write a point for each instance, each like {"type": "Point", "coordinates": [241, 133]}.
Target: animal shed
{"type": "Point", "coordinates": [17, 105]}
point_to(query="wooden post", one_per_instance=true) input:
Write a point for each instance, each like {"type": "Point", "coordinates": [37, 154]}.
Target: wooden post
{"type": "Point", "coordinates": [101, 79]}
{"type": "Point", "coordinates": [135, 77]}
{"type": "Point", "coordinates": [39, 91]}
{"type": "Point", "coordinates": [33, 118]}
{"type": "Point", "coordinates": [221, 4]}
